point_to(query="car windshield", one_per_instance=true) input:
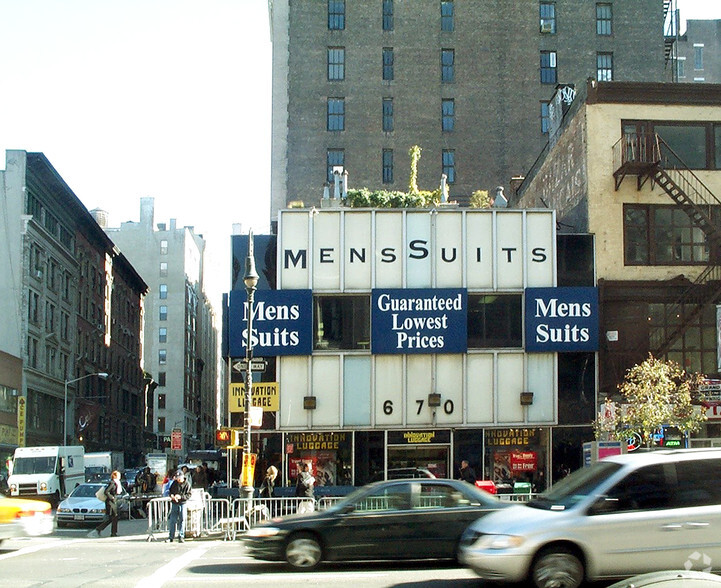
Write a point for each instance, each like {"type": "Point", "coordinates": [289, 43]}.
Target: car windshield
{"type": "Point", "coordinates": [34, 465]}
{"type": "Point", "coordinates": [85, 490]}
{"type": "Point", "coordinates": [572, 489]}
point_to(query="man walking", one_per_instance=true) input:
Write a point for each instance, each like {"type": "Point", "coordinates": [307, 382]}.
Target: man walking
{"type": "Point", "coordinates": [179, 493]}
{"type": "Point", "coordinates": [467, 474]}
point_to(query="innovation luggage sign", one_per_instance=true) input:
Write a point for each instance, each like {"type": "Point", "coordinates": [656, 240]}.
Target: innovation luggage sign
{"type": "Point", "coordinates": [419, 321]}
{"type": "Point", "coordinates": [561, 319]}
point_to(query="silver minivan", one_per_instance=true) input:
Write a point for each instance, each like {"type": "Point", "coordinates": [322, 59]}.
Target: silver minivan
{"type": "Point", "coordinates": [624, 515]}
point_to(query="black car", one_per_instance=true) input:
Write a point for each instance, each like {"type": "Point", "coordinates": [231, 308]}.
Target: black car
{"type": "Point", "coordinates": [421, 518]}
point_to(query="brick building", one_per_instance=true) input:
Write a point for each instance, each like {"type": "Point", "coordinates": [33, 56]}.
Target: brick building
{"type": "Point", "coordinates": [356, 84]}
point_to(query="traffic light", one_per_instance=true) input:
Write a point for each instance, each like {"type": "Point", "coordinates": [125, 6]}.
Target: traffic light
{"type": "Point", "coordinates": [223, 437]}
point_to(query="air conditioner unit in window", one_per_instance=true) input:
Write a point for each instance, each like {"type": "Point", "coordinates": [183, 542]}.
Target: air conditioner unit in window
{"type": "Point", "coordinates": [546, 27]}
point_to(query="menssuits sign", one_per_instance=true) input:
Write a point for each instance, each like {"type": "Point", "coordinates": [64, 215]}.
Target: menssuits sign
{"type": "Point", "coordinates": [282, 323]}
{"type": "Point", "coordinates": [419, 321]}
{"type": "Point", "coordinates": [561, 319]}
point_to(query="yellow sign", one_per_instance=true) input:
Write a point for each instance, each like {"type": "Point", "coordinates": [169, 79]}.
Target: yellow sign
{"type": "Point", "coordinates": [264, 395]}
{"type": "Point", "coordinates": [21, 421]}
{"type": "Point", "coordinates": [247, 476]}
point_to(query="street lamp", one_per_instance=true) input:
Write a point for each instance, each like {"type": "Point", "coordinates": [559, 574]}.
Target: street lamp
{"type": "Point", "coordinates": [250, 279]}
{"type": "Point", "coordinates": [101, 375]}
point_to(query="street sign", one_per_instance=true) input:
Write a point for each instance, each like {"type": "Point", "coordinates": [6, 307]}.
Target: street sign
{"type": "Point", "coordinates": [257, 364]}
{"type": "Point", "coordinates": [176, 439]}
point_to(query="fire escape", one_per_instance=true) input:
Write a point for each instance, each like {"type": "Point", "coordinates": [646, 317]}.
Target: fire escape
{"type": "Point", "coordinates": [648, 157]}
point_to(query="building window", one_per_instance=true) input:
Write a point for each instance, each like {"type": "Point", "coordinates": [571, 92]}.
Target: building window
{"type": "Point", "coordinates": [448, 57]}
{"type": "Point", "coordinates": [32, 352]}
{"type": "Point", "coordinates": [161, 424]}
{"type": "Point", "coordinates": [341, 322]}
{"type": "Point", "coordinates": [334, 158]}
{"type": "Point", "coordinates": [64, 325]}
{"type": "Point", "coordinates": [162, 356]}
{"type": "Point", "coordinates": [495, 321]}
{"type": "Point", "coordinates": [663, 235]}
{"type": "Point", "coordinates": [49, 317]}
{"type": "Point", "coordinates": [604, 67]}
{"type": "Point", "coordinates": [388, 166]}
{"type": "Point", "coordinates": [161, 400]}
{"type": "Point", "coordinates": [449, 165]}
{"type": "Point", "coordinates": [681, 67]}
{"type": "Point", "coordinates": [33, 307]}
{"type": "Point", "coordinates": [336, 63]}
{"type": "Point", "coordinates": [604, 19]}
{"type": "Point", "coordinates": [387, 15]}
{"type": "Point", "coordinates": [448, 114]}
{"type": "Point", "coordinates": [698, 56]}
{"type": "Point", "coordinates": [161, 379]}
{"type": "Point", "coordinates": [547, 14]}
{"type": "Point", "coordinates": [388, 63]}
{"type": "Point", "coordinates": [163, 335]}
{"type": "Point", "coordinates": [545, 119]}
{"type": "Point", "coordinates": [387, 115]}
{"type": "Point", "coordinates": [163, 291]}
{"type": "Point", "coordinates": [163, 247]}
{"type": "Point", "coordinates": [548, 67]}
{"type": "Point", "coordinates": [163, 268]}
{"type": "Point", "coordinates": [336, 114]}
{"type": "Point", "coordinates": [447, 15]}
{"type": "Point", "coordinates": [336, 15]}
{"type": "Point", "coordinates": [163, 313]}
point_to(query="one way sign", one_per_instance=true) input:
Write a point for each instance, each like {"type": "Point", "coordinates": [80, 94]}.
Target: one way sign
{"type": "Point", "coordinates": [257, 364]}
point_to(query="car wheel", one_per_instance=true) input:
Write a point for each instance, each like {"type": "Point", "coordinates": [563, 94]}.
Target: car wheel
{"type": "Point", "coordinates": [303, 551]}
{"type": "Point", "coordinates": [557, 568]}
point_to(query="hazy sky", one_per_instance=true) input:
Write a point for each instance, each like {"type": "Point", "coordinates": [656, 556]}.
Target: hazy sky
{"type": "Point", "coordinates": [162, 98]}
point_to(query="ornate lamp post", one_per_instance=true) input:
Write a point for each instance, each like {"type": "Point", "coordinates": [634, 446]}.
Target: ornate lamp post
{"type": "Point", "coordinates": [101, 375]}
{"type": "Point", "coordinates": [250, 279]}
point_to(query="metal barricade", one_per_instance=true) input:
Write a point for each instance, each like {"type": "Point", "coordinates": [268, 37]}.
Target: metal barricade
{"type": "Point", "coordinates": [158, 511]}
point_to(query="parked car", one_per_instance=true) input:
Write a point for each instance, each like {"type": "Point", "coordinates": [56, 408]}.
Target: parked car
{"type": "Point", "coordinates": [624, 515]}
{"type": "Point", "coordinates": [21, 518]}
{"type": "Point", "coordinates": [420, 518]}
{"type": "Point", "coordinates": [82, 507]}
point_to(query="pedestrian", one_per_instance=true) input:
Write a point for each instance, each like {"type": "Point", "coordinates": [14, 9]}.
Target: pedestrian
{"type": "Point", "coordinates": [179, 494]}
{"type": "Point", "coordinates": [467, 473]}
{"type": "Point", "coordinates": [304, 487]}
{"type": "Point", "coordinates": [112, 491]}
{"type": "Point", "coordinates": [200, 477]}
{"type": "Point", "coordinates": [266, 488]}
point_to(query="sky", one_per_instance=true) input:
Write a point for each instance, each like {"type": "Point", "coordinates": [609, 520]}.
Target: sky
{"type": "Point", "coordinates": [163, 98]}
{"type": "Point", "coordinates": [133, 98]}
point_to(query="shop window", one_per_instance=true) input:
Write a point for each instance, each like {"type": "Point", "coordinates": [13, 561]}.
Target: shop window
{"type": "Point", "coordinates": [663, 235]}
{"type": "Point", "coordinates": [495, 321]}
{"type": "Point", "coordinates": [341, 322]}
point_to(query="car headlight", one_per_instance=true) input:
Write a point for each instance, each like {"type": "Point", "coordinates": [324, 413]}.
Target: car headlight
{"type": "Point", "coordinates": [97, 510]}
{"type": "Point", "coordinates": [13, 488]}
{"type": "Point", "coordinates": [63, 509]}
{"type": "Point", "coordinates": [499, 541]}
{"type": "Point", "coordinates": [43, 487]}
{"type": "Point", "coordinates": [263, 532]}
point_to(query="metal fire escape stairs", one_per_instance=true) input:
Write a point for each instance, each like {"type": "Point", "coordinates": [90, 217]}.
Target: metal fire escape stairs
{"type": "Point", "coordinates": [648, 157]}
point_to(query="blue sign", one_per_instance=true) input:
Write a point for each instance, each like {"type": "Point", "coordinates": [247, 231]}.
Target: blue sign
{"type": "Point", "coordinates": [282, 323]}
{"type": "Point", "coordinates": [419, 321]}
{"type": "Point", "coordinates": [561, 319]}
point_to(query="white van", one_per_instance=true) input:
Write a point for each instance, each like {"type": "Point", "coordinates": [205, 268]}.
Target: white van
{"type": "Point", "coordinates": [622, 516]}
{"type": "Point", "coordinates": [49, 473]}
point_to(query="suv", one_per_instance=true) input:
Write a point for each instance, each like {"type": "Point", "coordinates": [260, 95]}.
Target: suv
{"type": "Point", "coordinates": [623, 515]}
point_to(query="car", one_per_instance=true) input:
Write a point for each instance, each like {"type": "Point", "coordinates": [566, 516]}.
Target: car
{"type": "Point", "coordinates": [418, 518]}
{"type": "Point", "coordinates": [20, 517]}
{"type": "Point", "coordinates": [398, 473]}
{"type": "Point", "coordinates": [130, 475]}
{"type": "Point", "coordinates": [83, 507]}
{"type": "Point", "coordinates": [621, 516]}
{"type": "Point", "coordinates": [671, 579]}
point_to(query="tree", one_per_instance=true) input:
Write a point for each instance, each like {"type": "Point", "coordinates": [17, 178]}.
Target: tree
{"type": "Point", "coordinates": [654, 393]}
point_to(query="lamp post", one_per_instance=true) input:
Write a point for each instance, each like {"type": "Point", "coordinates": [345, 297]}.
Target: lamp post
{"type": "Point", "coordinates": [101, 375]}
{"type": "Point", "coordinates": [250, 279]}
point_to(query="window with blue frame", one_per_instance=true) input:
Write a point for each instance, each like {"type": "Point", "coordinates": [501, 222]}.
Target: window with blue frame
{"type": "Point", "coordinates": [447, 16]}
{"type": "Point", "coordinates": [448, 58]}
{"type": "Point", "coordinates": [448, 114]}
{"type": "Point", "coordinates": [449, 165]}
{"type": "Point", "coordinates": [548, 67]}
{"type": "Point", "coordinates": [336, 114]}
{"type": "Point", "coordinates": [336, 63]}
{"type": "Point", "coordinates": [336, 15]}
{"type": "Point", "coordinates": [388, 73]}
{"type": "Point", "coordinates": [387, 15]}
{"type": "Point", "coordinates": [334, 158]}
{"type": "Point", "coordinates": [388, 166]}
